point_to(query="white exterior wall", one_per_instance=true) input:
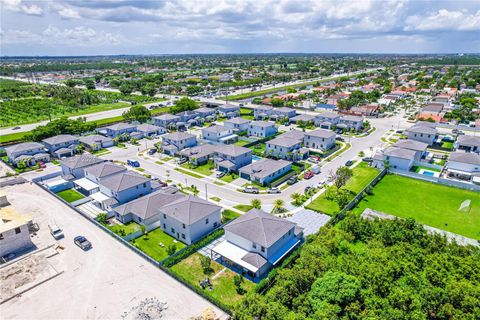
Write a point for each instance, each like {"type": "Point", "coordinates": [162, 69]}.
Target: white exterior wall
{"type": "Point", "coordinates": [280, 243]}
{"type": "Point", "coordinates": [422, 137]}
{"type": "Point", "coordinates": [399, 163]}
{"type": "Point", "coordinates": [463, 166]}
{"type": "Point", "coordinates": [319, 143]}
{"type": "Point", "coordinates": [13, 242]}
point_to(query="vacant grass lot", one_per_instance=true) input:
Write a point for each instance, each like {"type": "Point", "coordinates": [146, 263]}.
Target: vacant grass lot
{"type": "Point", "coordinates": [124, 229]}
{"type": "Point", "coordinates": [151, 244]}
{"type": "Point", "coordinates": [70, 195]}
{"type": "Point", "coordinates": [204, 169]}
{"type": "Point", "coordinates": [224, 290]}
{"type": "Point", "coordinates": [362, 175]}
{"type": "Point", "coordinates": [428, 203]}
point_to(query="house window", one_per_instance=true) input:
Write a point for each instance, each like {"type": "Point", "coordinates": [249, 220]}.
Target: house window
{"type": "Point", "coordinates": [17, 230]}
{"type": "Point", "coordinates": [183, 226]}
{"type": "Point", "coordinates": [206, 221]}
{"type": "Point", "coordinates": [183, 235]}
{"type": "Point", "coordinates": [254, 246]}
{"type": "Point", "coordinates": [144, 185]}
{"type": "Point", "coordinates": [164, 216]}
{"type": "Point", "coordinates": [263, 249]}
{"type": "Point", "coordinates": [215, 224]}
{"type": "Point", "coordinates": [1, 236]}
{"type": "Point", "coordinates": [172, 230]}
{"type": "Point", "coordinates": [164, 226]}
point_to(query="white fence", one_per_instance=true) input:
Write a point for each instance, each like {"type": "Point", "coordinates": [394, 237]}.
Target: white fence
{"type": "Point", "coordinates": [447, 182]}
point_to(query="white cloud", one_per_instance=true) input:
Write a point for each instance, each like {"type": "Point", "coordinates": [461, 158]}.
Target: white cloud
{"type": "Point", "coordinates": [445, 20]}
{"type": "Point", "coordinates": [19, 6]}
{"type": "Point", "coordinates": [68, 13]}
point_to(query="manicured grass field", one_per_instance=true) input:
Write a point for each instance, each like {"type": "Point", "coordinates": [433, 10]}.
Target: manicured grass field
{"type": "Point", "coordinates": [224, 289]}
{"type": "Point", "coordinates": [241, 143]}
{"type": "Point", "coordinates": [70, 195]}
{"type": "Point", "coordinates": [243, 207]}
{"type": "Point", "coordinates": [128, 228]}
{"type": "Point", "coordinates": [228, 215]}
{"type": "Point", "coordinates": [150, 244]}
{"type": "Point", "coordinates": [204, 169]}
{"type": "Point", "coordinates": [362, 175]}
{"type": "Point", "coordinates": [429, 203]}
{"type": "Point", "coordinates": [229, 177]}
{"type": "Point", "coordinates": [189, 173]}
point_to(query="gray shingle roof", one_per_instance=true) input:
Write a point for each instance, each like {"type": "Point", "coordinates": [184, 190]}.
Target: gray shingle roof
{"type": "Point", "coordinates": [81, 161]}
{"type": "Point", "coordinates": [351, 118]}
{"type": "Point", "coordinates": [469, 140]}
{"type": "Point", "coordinates": [293, 134]}
{"type": "Point", "coordinates": [146, 127]}
{"type": "Point", "coordinates": [199, 151]}
{"type": "Point", "coordinates": [105, 169]}
{"type": "Point", "coordinates": [96, 138]}
{"type": "Point", "coordinates": [167, 117]}
{"type": "Point", "coordinates": [303, 117]}
{"type": "Point", "coordinates": [61, 138]}
{"type": "Point", "coordinates": [465, 157]}
{"type": "Point", "coordinates": [400, 153]}
{"type": "Point", "coordinates": [264, 167]}
{"type": "Point", "coordinates": [178, 136]}
{"type": "Point", "coordinates": [123, 181]}
{"type": "Point", "coordinates": [254, 259]}
{"type": "Point", "coordinates": [321, 133]}
{"type": "Point", "coordinates": [328, 115]}
{"type": "Point", "coordinates": [26, 146]}
{"type": "Point", "coordinates": [120, 126]}
{"type": "Point", "coordinates": [263, 124]}
{"type": "Point", "coordinates": [238, 120]}
{"type": "Point", "coordinates": [232, 150]}
{"type": "Point", "coordinates": [260, 227]}
{"type": "Point", "coordinates": [283, 142]}
{"type": "Point", "coordinates": [148, 206]}
{"type": "Point", "coordinates": [216, 129]}
{"type": "Point", "coordinates": [411, 144]}
{"type": "Point", "coordinates": [189, 209]}
{"type": "Point", "coordinates": [423, 129]}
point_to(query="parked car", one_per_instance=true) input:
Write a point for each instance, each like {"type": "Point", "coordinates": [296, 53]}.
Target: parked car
{"type": "Point", "coordinates": [315, 169]}
{"type": "Point", "coordinates": [55, 231]}
{"type": "Point", "coordinates": [292, 180]}
{"type": "Point", "coordinates": [250, 189]}
{"type": "Point", "coordinates": [312, 159]}
{"type": "Point", "coordinates": [349, 163]}
{"type": "Point", "coordinates": [367, 159]}
{"type": "Point", "coordinates": [152, 151]}
{"type": "Point", "coordinates": [182, 160]}
{"type": "Point", "coordinates": [308, 175]}
{"type": "Point", "coordinates": [15, 128]}
{"type": "Point", "coordinates": [220, 174]}
{"type": "Point", "coordinates": [274, 190]}
{"type": "Point", "coordinates": [82, 242]}
{"type": "Point", "coordinates": [321, 183]}
{"type": "Point", "coordinates": [133, 163]}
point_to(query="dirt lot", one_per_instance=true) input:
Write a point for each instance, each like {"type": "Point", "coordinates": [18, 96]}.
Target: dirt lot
{"type": "Point", "coordinates": [102, 283]}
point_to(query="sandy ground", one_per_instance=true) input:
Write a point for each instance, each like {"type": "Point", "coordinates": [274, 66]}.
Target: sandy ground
{"type": "Point", "coordinates": [102, 283]}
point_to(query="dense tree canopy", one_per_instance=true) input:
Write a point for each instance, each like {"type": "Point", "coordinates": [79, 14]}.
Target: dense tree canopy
{"type": "Point", "coordinates": [363, 269]}
{"type": "Point", "coordinates": [137, 113]}
{"type": "Point", "coordinates": [60, 126]}
{"type": "Point", "coordinates": [184, 104]}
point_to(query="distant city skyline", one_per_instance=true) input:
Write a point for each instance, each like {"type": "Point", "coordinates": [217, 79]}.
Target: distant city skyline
{"type": "Point", "coordinates": [116, 27]}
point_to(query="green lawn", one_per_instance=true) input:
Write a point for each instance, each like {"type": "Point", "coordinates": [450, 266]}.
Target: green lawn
{"type": "Point", "coordinates": [150, 244]}
{"type": "Point", "coordinates": [193, 174]}
{"type": "Point", "coordinates": [229, 177]}
{"type": "Point", "coordinates": [124, 229]}
{"type": "Point", "coordinates": [447, 145]}
{"type": "Point", "coordinates": [70, 195]}
{"type": "Point", "coordinates": [228, 215]}
{"type": "Point", "coordinates": [418, 168]}
{"type": "Point", "coordinates": [362, 175]}
{"type": "Point", "coordinates": [429, 203]}
{"type": "Point", "coordinates": [243, 207]}
{"type": "Point", "coordinates": [224, 290]}
{"type": "Point", "coordinates": [204, 169]}
{"type": "Point", "coordinates": [241, 143]}
{"type": "Point", "coordinates": [17, 136]}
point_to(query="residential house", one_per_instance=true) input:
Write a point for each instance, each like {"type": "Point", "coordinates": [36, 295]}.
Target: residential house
{"type": "Point", "coordinates": [293, 134]}
{"type": "Point", "coordinates": [261, 129]}
{"type": "Point", "coordinates": [96, 142]}
{"type": "Point", "coordinates": [117, 129]}
{"type": "Point", "coordinates": [265, 171]}
{"type": "Point", "coordinates": [165, 120]}
{"type": "Point", "coordinates": [350, 122]}
{"type": "Point", "coordinates": [14, 231]}
{"type": "Point", "coordinates": [286, 148]}
{"type": "Point", "coordinates": [256, 242]}
{"type": "Point", "coordinates": [74, 167]}
{"type": "Point", "coordinates": [464, 166]}
{"type": "Point", "coordinates": [148, 130]}
{"type": "Point", "coordinates": [120, 188]}
{"type": "Point", "coordinates": [238, 124]}
{"type": "Point", "coordinates": [303, 118]}
{"type": "Point", "coordinates": [145, 210]}
{"type": "Point", "coordinates": [177, 141]}
{"type": "Point", "coordinates": [190, 218]}
{"type": "Point", "coordinates": [423, 132]}
{"type": "Point", "coordinates": [397, 158]}
{"type": "Point", "coordinates": [283, 113]}
{"type": "Point", "coordinates": [199, 155]}
{"type": "Point", "coordinates": [28, 152]}
{"type": "Point", "coordinates": [218, 133]}
{"type": "Point", "coordinates": [231, 158]}
{"type": "Point", "coordinates": [262, 112]}
{"type": "Point", "coordinates": [186, 116]}
{"type": "Point", "coordinates": [420, 148]}
{"type": "Point", "coordinates": [208, 114]}
{"type": "Point", "coordinates": [63, 145]}
{"type": "Point", "coordinates": [228, 110]}
{"type": "Point", "coordinates": [326, 120]}
{"type": "Point", "coordinates": [321, 139]}
{"type": "Point", "coordinates": [89, 183]}
{"type": "Point", "coordinates": [468, 143]}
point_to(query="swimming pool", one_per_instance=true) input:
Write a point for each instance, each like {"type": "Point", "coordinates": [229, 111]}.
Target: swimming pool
{"type": "Point", "coordinates": [429, 173]}
{"type": "Point", "coordinates": [256, 158]}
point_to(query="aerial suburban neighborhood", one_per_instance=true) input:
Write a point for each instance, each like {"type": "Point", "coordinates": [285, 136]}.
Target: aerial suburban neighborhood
{"type": "Point", "coordinates": [236, 184]}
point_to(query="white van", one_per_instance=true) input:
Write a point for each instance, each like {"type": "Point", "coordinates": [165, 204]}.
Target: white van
{"type": "Point", "coordinates": [55, 231]}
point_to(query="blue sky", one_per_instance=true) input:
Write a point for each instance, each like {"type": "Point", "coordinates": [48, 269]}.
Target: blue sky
{"type": "Point", "coordinates": [89, 27]}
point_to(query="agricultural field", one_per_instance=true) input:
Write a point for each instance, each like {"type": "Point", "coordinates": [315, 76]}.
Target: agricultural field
{"type": "Point", "coordinates": [432, 204]}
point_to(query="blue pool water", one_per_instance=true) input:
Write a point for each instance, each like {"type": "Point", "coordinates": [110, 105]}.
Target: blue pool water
{"type": "Point", "coordinates": [428, 173]}
{"type": "Point", "coordinates": [256, 158]}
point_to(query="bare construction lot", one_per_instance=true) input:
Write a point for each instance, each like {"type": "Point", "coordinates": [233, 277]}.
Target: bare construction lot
{"type": "Point", "coordinates": [102, 283]}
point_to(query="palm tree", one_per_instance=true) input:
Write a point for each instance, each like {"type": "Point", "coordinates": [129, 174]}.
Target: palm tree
{"type": "Point", "coordinates": [278, 205]}
{"type": "Point", "coordinates": [256, 203]}
{"type": "Point", "coordinates": [195, 190]}
{"type": "Point", "coordinates": [296, 197]}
